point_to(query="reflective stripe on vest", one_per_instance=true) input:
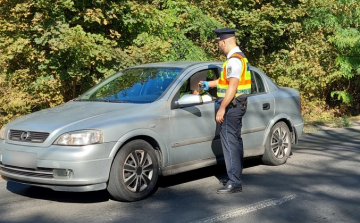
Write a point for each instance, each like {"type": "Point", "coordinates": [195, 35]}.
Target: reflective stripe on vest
{"type": "Point", "coordinates": [244, 86]}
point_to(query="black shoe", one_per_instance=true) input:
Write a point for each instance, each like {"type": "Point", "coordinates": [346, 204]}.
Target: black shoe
{"type": "Point", "coordinates": [229, 189]}
{"type": "Point", "coordinates": [223, 181]}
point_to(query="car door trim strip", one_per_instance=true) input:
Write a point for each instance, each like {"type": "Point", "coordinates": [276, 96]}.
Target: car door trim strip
{"type": "Point", "coordinates": [258, 129]}
{"type": "Point", "coordinates": [212, 138]}
{"type": "Point", "coordinates": [194, 141]}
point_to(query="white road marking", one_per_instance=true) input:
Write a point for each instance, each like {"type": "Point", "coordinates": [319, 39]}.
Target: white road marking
{"type": "Point", "coordinates": [246, 209]}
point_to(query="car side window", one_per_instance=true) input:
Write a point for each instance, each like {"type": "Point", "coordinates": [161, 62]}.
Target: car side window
{"type": "Point", "coordinates": [253, 84]}
{"type": "Point", "coordinates": [259, 82]}
{"type": "Point", "coordinates": [191, 86]}
{"type": "Point", "coordinates": [185, 87]}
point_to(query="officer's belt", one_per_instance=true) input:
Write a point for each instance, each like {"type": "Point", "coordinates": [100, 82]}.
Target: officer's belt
{"type": "Point", "coordinates": [240, 100]}
{"type": "Point", "coordinates": [246, 91]}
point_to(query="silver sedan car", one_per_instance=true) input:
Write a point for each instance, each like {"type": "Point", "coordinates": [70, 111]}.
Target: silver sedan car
{"type": "Point", "coordinates": [139, 123]}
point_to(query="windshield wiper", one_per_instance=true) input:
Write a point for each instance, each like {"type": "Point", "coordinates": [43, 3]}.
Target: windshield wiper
{"type": "Point", "coordinates": [78, 99]}
{"type": "Point", "coordinates": [107, 100]}
{"type": "Point", "coordinates": [113, 101]}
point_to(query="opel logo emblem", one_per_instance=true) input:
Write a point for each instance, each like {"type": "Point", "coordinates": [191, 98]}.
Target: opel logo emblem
{"type": "Point", "coordinates": [24, 136]}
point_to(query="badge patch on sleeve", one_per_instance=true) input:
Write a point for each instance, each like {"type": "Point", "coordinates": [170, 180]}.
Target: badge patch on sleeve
{"type": "Point", "coordinates": [228, 71]}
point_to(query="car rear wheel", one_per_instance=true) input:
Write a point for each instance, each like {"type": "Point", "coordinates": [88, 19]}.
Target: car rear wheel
{"type": "Point", "coordinates": [134, 172]}
{"type": "Point", "coordinates": [278, 145]}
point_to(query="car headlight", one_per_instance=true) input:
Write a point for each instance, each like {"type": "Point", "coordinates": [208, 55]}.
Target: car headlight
{"type": "Point", "coordinates": [80, 138]}
{"type": "Point", "coordinates": [2, 132]}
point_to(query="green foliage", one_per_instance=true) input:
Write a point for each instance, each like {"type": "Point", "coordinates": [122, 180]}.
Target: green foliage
{"type": "Point", "coordinates": [53, 50]}
{"type": "Point", "coordinates": [343, 122]}
{"type": "Point", "coordinates": [339, 21]}
{"type": "Point", "coordinates": [311, 45]}
{"type": "Point", "coordinates": [346, 121]}
{"type": "Point", "coordinates": [343, 95]}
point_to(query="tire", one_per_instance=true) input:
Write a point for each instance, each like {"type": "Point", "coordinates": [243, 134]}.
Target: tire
{"type": "Point", "coordinates": [134, 172]}
{"type": "Point", "coordinates": [278, 145]}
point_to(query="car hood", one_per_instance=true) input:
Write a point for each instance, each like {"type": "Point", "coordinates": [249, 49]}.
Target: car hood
{"type": "Point", "coordinates": [72, 113]}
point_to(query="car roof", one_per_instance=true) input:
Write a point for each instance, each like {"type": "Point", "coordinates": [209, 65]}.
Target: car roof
{"type": "Point", "coordinates": [179, 64]}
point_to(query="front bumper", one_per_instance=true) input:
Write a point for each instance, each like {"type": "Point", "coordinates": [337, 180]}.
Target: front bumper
{"type": "Point", "coordinates": [86, 188]}
{"type": "Point", "coordinates": [88, 167]}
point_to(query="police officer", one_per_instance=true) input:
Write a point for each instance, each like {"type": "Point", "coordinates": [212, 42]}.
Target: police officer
{"type": "Point", "coordinates": [234, 82]}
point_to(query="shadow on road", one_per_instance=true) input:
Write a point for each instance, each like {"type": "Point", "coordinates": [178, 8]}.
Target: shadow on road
{"type": "Point", "coordinates": [219, 171]}
{"type": "Point", "coordinates": [48, 194]}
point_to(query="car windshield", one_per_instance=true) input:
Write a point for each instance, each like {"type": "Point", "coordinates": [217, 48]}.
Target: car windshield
{"type": "Point", "coordinates": [134, 85]}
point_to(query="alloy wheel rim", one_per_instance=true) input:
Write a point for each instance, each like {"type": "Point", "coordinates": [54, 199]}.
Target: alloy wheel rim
{"type": "Point", "coordinates": [280, 142]}
{"type": "Point", "coordinates": [137, 171]}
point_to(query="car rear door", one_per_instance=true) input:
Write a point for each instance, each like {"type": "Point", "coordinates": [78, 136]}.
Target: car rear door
{"type": "Point", "coordinates": [260, 110]}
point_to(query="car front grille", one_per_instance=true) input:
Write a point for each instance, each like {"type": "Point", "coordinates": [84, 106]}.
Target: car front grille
{"type": "Point", "coordinates": [39, 172]}
{"type": "Point", "coordinates": [28, 136]}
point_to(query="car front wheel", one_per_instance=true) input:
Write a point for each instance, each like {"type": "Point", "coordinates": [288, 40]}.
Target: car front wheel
{"type": "Point", "coordinates": [134, 172]}
{"type": "Point", "coordinates": [278, 145]}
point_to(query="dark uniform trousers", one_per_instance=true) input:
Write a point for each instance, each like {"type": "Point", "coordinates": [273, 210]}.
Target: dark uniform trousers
{"type": "Point", "coordinates": [232, 144]}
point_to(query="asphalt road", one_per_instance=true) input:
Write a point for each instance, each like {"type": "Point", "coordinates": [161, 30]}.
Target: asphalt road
{"type": "Point", "coordinates": [319, 183]}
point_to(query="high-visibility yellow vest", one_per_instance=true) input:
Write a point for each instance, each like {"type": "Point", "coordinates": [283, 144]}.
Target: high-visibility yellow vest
{"type": "Point", "coordinates": [244, 86]}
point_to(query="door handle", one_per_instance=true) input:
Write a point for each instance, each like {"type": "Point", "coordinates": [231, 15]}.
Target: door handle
{"type": "Point", "coordinates": [266, 106]}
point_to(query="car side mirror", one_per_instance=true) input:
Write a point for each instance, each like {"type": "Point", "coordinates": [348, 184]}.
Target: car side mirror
{"type": "Point", "coordinates": [189, 100]}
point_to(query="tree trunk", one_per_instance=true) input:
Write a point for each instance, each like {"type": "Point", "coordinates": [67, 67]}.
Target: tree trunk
{"type": "Point", "coordinates": [74, 87]}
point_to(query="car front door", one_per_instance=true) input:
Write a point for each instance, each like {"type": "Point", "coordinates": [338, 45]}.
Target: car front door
{"type": "Point", "coordinates": [193, 128]}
